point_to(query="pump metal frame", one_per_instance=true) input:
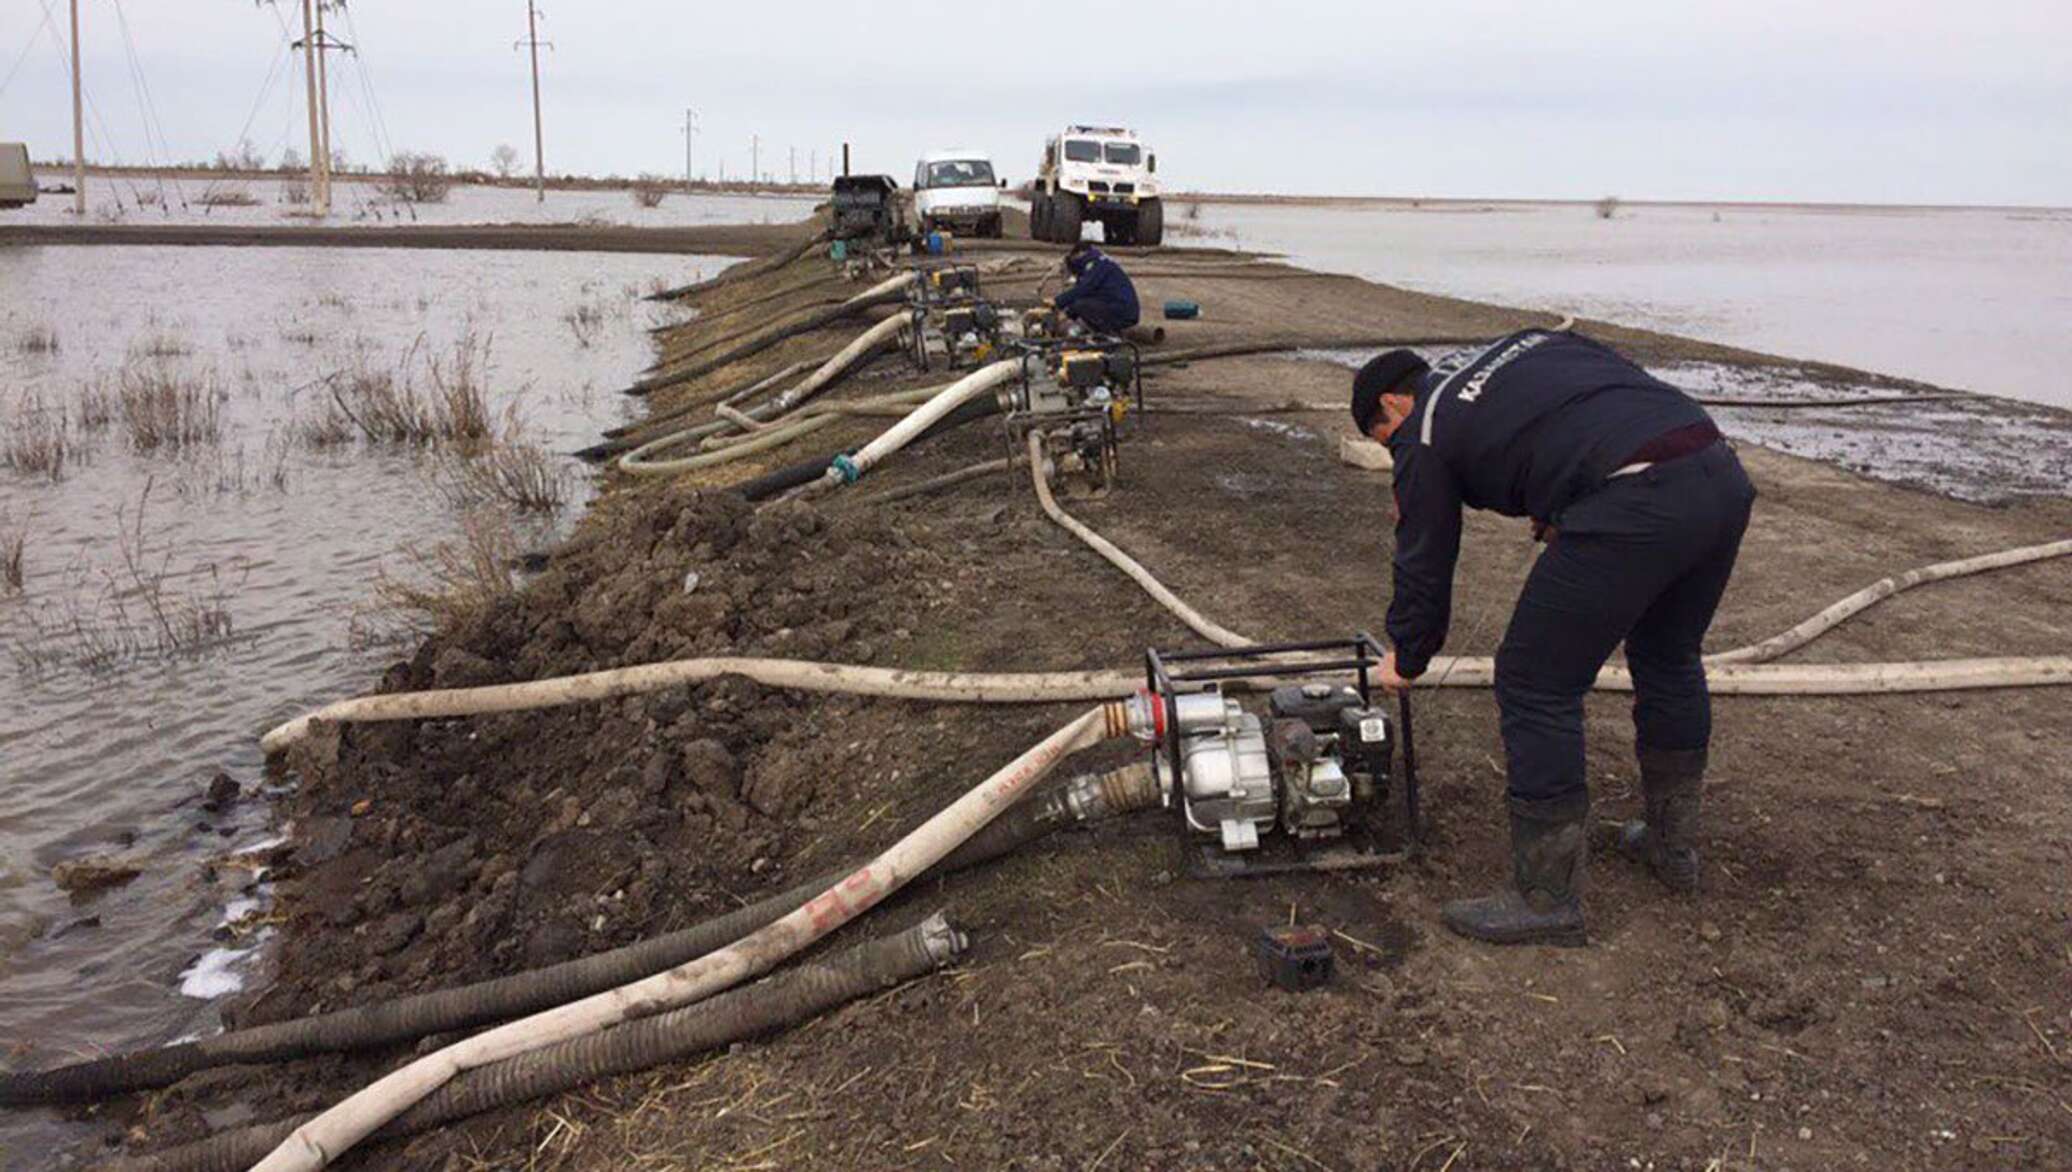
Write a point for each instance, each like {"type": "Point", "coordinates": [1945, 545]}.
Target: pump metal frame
{"type": "Point", "coordinates": [1167, 674]}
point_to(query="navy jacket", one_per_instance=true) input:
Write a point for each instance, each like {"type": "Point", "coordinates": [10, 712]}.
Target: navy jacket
{"type": "Point", "coordinates": [1102, 296]}
{"type": "Point", "coordinates": [1522, 428]}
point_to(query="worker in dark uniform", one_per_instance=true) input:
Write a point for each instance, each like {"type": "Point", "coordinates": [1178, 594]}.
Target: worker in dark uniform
{"type": "Point", "coordinates": [1642, 508]}
{"type": "Point", "coordinates": [1101, 297]}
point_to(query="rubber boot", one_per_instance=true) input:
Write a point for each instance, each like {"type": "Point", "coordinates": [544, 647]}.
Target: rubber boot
{"type": "Point", "coordinates": [1543, 903]}
{"type": "Point", "coordinates": [1672, 787]}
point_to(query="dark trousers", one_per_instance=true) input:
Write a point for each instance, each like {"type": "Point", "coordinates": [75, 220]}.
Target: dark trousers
{"type": "Point", "coordinates": [1644, 559]}
{"type": "Point", "coordinates": [1103, 317]}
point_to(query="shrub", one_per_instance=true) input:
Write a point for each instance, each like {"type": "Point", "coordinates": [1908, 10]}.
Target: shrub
{"type": "Point", "coordinates": [14, 540]}
{"type": "Point", "coordinates": [40, 339]}
{"type": "Point", "coordinates": [650, 190]}
{"type": "Point", "coordinates": [418, 177]}
{"type": "Point", "coordinates": [1607, 207]}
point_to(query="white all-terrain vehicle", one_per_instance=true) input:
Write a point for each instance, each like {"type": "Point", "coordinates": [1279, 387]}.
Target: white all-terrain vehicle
{"type": "Point", "coordinates": [1097, 174]}
{"type": "Point", "coordinates": [956, 189]}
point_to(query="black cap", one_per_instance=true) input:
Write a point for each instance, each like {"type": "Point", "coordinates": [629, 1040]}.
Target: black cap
{"type": "Point", "coordinates": [1383, 375]}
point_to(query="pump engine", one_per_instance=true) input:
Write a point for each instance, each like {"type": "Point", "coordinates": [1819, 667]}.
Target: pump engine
{"type": "Point", "coordinates": [1077, 395]}
{"type": "Point", "coordinates": [1310, 782]}
{"type": "Point", "coordinates": [954, 326]}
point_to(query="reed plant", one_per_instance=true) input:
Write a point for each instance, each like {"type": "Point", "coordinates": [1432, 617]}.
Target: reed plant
{"type": "Point", "coordinates": [38, 441]}
{"type": "Point", "coordinates": [163, 408]}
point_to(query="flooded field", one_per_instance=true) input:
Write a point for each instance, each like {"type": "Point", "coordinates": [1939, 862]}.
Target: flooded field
{"type": "Point", "coordinates": [202, 527]}
{"type": "Point", "coordinates": [360, 202]}
{"type": "Point", "coordinates": [1974, 299]}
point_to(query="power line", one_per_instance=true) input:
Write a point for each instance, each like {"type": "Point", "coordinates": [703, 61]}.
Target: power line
{"type": "Point", "coordinates": [28, 47]}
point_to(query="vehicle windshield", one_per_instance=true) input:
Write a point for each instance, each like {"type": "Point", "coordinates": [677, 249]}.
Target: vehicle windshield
{"type": "Point", "coordinates": [961, 173]}
{"type": "Point", "coordinates": [1082, 150]}
{"type": "Point", "coordinates": [1126, 154]}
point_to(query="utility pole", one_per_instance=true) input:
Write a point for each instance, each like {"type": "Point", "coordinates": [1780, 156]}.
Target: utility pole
{"type": "Point", "coordinates": [539, 148]}
{"type": "Point", "coordinates": [78, 127]}
{"type": "Point", "coordinates": [323, 112]}
{"type": "Point", "coordinates": [755, 159]}
{"type": "Point", "coordinates": [813, 165]}
{"type": "Point", "coordinates": [690, 133]}
{"type": "Point", "coordinates": [318, 163]}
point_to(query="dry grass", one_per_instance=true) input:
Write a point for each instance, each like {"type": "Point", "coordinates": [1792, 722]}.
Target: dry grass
{"type": "Point", "coordinates": [14, 541]}
{"type": "Point", "coordinates": [520, 475]}
{"type": "Point", "coordinates": [227, 197]}
{"type": "Point", "coordinates": [586, 322]}
{"type": "Point", "coordinates": [1607, 207]}
{"type": "Point", "coordinates": [162, 408]}
{"type": "Point", "coordinates": [96, 407]}
{"type": "Point", "coordinates": [161, 344]}
{"type": "Point", "coordinates": [449, 407]}
{"type": "Point", "coordinates": [454, 581]}
{"type": "Point", "coordinates": [38, 441]}
{"type": "Point", "coordinates": [137, 609]}
{"type": "Point", "coordinates": [39, 339]}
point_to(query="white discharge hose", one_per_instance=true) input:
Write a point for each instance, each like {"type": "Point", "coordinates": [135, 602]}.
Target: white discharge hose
{"type": "Point", "coordinates": [1201, 624]}
{"type": "Point", "coordinates": [800, 675]}
{"type": "Point", "coordinates": [329, 1135]}
{"type": "Point", "coordinates": [849, 469]}
{"type": "Point", "coordinates": [1730, 673]}
{"type": "Point", "coordinates": [1834, 615]}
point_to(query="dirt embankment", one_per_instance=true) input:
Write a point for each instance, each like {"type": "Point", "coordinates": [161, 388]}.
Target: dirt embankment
{"type": "Point", "coordinates": [1877, 974]}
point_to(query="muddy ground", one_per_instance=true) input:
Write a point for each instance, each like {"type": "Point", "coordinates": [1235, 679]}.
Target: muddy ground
{"type": "Point", "coordinates": [1878, 973]}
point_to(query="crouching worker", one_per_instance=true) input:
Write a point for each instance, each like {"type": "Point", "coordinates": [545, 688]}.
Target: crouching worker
{"type": "Point", "coordinates": [1642, 508]}
{"type": "Point", "coordinates": [1101, 297]}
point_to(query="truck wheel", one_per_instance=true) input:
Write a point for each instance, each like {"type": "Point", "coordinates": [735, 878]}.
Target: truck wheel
{"type": "Point", "coordinates": [992, 229]}
{"type": "Point", "coordinates": [1150, 223]}
{"type": "Point", "coordinates": [1039, 218]}
{"type": "Point", "coordinates": [1066, 214]}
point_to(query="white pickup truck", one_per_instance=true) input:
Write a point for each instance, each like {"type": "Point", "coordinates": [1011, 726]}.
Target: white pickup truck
{"type": "Point", "coordinates": [956, 189]}
{"type": "Point", "coordinates": [1097, 174]}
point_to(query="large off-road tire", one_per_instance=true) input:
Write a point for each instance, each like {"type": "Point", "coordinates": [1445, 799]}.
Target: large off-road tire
{"type": "Point", "coordinates": [1039, 217]}
{"type": "Point", "coordinates": [1067, 212]}
{"type": "Point", "coordinates": [1150, 223]}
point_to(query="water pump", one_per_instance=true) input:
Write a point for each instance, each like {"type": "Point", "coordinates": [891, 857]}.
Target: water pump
{"type": "Point", "coordinates": [1076, 395]}
{"type": "Point", "coordinates": [1311, 780]}
{"type": "Point", "coordinates": [954, 326]}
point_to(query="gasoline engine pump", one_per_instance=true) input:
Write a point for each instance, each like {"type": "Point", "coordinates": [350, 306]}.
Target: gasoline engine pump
{"type": "Point", "coordinates": [954, 326]}
{"type": "Point", "coordinates": [1311, 783]}
{"type": "Point", "coordinates": [1076, 396]}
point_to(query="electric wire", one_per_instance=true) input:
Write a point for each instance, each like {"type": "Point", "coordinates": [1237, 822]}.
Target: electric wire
{"type": "Point", "coordinates": [28, 46]}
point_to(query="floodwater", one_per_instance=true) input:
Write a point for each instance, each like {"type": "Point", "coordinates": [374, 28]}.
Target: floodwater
{"type": "Point", "coordinates": [357, 202]}
{"type": "Point", "coordinates": [1973, 299]}
{"type": "Point", "coordinates": [1972, 447]}
{"type": "Point", "coordinates": [281, 541]}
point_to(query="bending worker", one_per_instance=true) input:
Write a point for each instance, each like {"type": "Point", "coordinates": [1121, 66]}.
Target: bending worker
{"type": "Point", "coordinates": [1642, 508]}
{"type": "Point", "coordinates": [1101, 297]}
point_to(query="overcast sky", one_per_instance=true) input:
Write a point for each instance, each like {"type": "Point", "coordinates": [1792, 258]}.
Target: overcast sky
{"type": "Point", "coordinates": [1846, 100]}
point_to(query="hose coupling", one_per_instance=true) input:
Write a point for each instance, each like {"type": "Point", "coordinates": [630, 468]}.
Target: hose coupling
{"type": "Point", "coordinates": [846, 469]}
{"type": "Point", "coordinates": [1092, 796]}
{"type": "Point", "coordinates": [1141, 716]}
{"type": "Point", "coordinates": [942, 941]}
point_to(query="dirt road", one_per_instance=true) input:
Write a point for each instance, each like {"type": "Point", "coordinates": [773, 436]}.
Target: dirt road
{"type": "Point", "coordinates": [1878, 974]}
